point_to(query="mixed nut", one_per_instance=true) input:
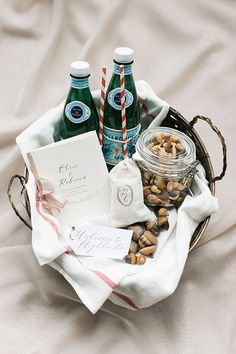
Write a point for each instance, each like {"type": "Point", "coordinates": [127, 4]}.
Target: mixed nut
{"type": "Point", "coordinates": [144, 238]}
{"type": "Point", "coordinates": [164, 191]}
{"type": "Point", "coordinates": [160, 189]}
{"type": "Point", "coordinates": [166, 145]}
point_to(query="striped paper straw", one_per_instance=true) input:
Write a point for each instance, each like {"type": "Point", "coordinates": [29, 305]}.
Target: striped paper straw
{"type": "Point", "coordinates": [123, 113]}
{"type": "Point", "coordinates": [101, 110]}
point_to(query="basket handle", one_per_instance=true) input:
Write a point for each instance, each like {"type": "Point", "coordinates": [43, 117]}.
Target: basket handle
{"type": "Point", "coordinates": [22, 180]}
{"type": "Point", "coordinates": [222, 140]}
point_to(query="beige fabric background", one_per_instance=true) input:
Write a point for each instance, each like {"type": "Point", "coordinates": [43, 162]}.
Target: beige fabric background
{"type": "Point", "coordinates": [186, 51]}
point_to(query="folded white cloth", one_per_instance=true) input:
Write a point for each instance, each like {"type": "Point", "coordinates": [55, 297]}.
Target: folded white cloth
{"type": "Point", "coordinates": [96, 280]}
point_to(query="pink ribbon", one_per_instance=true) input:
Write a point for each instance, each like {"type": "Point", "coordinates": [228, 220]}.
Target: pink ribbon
{"type": "Point", "coordinates": [47, 195]}
{"type": "Point", "coordinates": [46, 188]}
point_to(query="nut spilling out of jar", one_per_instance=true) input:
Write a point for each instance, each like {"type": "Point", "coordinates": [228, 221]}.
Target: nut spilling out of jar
{"type": "Point", "coordinates": [167, 164]}
{"type": "Point", "coordinates": [145, 237]}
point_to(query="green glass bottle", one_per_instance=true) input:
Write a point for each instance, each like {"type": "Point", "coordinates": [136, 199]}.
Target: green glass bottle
{"type": "Point", "coordinates": [112, 138]}
{"type": "Point", "coordinates": [80, 114]}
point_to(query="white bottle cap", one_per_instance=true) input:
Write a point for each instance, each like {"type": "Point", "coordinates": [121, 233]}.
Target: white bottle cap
{"type": "Point", "coordinates": [123, 55]}
{"type": "Point", "coordinates": [80, 68]}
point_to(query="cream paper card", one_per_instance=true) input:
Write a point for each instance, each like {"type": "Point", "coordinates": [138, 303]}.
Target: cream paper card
{"type": "Point", "coordinates": [77, 168]}
{"type": "Point", "coordinates": [100, 241]}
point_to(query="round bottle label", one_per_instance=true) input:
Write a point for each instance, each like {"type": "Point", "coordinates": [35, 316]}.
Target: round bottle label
{"type": "Point", "coordinates": [114, 98]}
{"type": "Point", "coordinates": [112, 144]}
{"type": "Point", "coordinates": [77, 112]}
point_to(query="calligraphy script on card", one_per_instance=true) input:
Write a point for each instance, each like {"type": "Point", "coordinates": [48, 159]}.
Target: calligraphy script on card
{"type": "Point", "coordinates": [74, 184]}
{"type": "Point", "coordinates": [78, 172]}
{"type": "Point", "coordinates": [100, 241]}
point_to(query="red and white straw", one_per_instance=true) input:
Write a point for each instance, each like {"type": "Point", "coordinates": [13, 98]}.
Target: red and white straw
{"type": "Point", "coordinates": [123, 112]}
{"type": "Point", "coordinates": [101, 110]}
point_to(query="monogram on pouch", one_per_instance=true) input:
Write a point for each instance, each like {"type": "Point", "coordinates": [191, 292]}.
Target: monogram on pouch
{"type": "Point", "coordinates": [125, 195]}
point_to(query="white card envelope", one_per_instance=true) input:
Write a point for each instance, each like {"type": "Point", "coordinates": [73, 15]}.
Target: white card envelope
{"type": "Point", "coordinates": [100, 241]}
{"type": "Point", "coordinates": [78, 170]}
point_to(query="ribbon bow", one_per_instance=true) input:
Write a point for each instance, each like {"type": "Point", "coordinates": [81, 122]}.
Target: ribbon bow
{"type": "Point", "coordinates": [47, 195]}
{"type": "Point", "coordinates": [46, 191]}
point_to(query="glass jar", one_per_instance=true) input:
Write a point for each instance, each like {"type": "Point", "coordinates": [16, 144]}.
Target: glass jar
{"type": "Point", "coordinates": [167, 161]}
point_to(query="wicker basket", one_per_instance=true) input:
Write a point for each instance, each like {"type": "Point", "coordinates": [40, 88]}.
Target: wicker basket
{"type": "Point", "coordinates": [175, 120]}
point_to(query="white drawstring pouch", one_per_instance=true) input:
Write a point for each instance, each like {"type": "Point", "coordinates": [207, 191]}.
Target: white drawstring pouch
{"type": "Point", "coordinates": [97, 279]}
{"type": "Point", "coordinates": [127, 204]}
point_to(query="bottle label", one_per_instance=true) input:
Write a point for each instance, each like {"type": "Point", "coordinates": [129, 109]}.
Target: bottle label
{"type": "Point", "coordinates": [127, 69]}
{"type": "Point", "coordinates": [77, 112]}
{"type": "Point", "coordinates": [114, 98]}
{"type": "Point", "coordinates": [113, 146]}
{"type": "Point", "coordinates": [79, 83]}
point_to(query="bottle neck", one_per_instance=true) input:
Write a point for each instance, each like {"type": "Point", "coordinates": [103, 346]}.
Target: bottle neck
{"type": "Point", "coordinates": [79, 82]}
{"type": "Point", "coordinates": [127, 69]}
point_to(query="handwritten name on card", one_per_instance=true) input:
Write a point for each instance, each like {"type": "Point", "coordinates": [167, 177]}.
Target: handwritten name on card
{"type": "Point", "coordinates": [100, 241]}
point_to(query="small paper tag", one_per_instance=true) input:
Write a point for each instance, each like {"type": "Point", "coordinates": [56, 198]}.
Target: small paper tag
{"type": "Point", "coordinates": [100, 241]}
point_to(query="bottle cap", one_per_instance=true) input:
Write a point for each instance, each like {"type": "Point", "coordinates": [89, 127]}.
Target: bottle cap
{"type": "Point", "coordinates": [80, 68]}
{"type": "Point", "coordinates": [123, 55]}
